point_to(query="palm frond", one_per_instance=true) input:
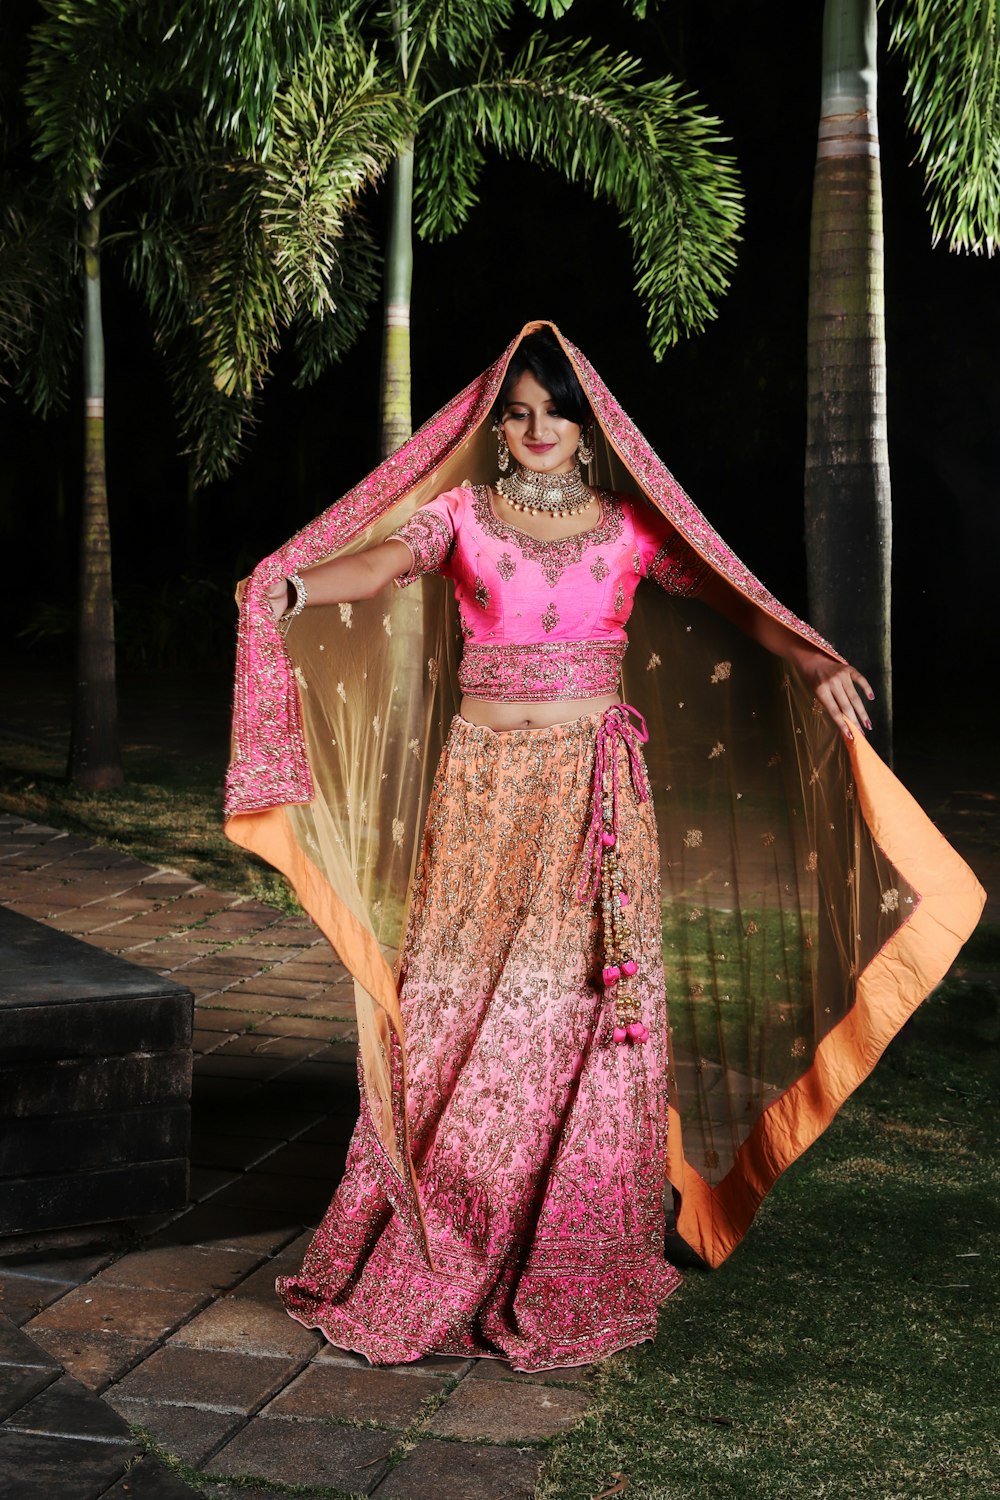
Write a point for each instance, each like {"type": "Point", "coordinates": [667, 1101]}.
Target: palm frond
{"type": "Point", "coordinates": [952, 54]}
{"type": "Point", "coordinates": [645, 146]}
{"type": "Point", "coordinates": [454, 32]}
{"type": "Point", "coordinates": [559, 8]}
{"type": "Point", "coordinates": [337, 130]}
{"type": "Point", "coordinates": [236, 52]}
{"type": "Point", "coordinates": [353, 288]}
{"type": "Point", "coordinates": [230, 252]}
{"type": "Point", "coordinates": [39, 295]}
{"type": "Point", "coordinates": [89, 62]}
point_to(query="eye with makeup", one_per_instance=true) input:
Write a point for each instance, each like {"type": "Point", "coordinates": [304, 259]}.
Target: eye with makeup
{"type": "Point", "coordinates": [516, 414]}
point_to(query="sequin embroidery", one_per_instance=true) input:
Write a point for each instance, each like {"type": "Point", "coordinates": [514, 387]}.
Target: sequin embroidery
{"type": "Point", "coordinates": [430, 541]}
{"type": "Point", "coordinates": [552, 557]}
{"type": "Point", "coordinates": [544, 671]}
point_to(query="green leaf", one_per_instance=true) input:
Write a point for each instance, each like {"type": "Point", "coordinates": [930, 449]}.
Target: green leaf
{"type": "Point", "coordinates": [952, 54]}
{"type": "Point", "coordinates": [643, 145]}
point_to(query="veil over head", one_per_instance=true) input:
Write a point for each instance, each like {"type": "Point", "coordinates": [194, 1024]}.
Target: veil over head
{"type": "Point", "coordinates": [809, 905]}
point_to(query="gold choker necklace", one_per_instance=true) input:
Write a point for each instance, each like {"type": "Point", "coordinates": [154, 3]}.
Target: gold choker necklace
{"type": "Point", "coordinates": [545, 494]}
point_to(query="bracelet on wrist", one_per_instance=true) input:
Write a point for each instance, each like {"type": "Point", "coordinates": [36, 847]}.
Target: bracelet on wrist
{"type": "Point", "coordinates": [301, 598]}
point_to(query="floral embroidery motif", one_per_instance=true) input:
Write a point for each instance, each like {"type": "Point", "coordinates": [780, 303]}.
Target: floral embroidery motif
{"type": "Point", "coordinates": [890, 900]}
{"type": "Point", "coordinates": [619, 600]}
{"type": "Point", "coordinates": [678, 568]}
{"type": "Point", "coordinates": [717, 749]}
{"type": "Point", "coordinates": [541, 670]}
{"type": "Point", "coordinates": [654, 661]}
{"type": "Point", "coordinates": [599, 569]}
{"type": "Point", "coordinates": [552, 557]}
{"type": "Point", "coordinates": [482, 593]}
{"type": "Point", "coordinates": [506, 566]}
{"type": "Point", "coordinates": [722, 671]}
{"type": "Point", "coordinates": [429, 538]}
{"type": "Point", "coordinates": [813, 861]}
{"type": "Point", "coordinates": [550, 619]}
{"type": "Point", "coordinates": [346, 612]}
{"type": "Point", "coordinates": [499, 1163]}
{"type": "Point", "coordinates": [637, 563]}
{"type": "Point", "coordinates": [693, 838]}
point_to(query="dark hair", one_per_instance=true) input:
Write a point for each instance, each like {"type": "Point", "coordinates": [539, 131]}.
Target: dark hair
{"type": "Point", "coordinates": [541, 355]}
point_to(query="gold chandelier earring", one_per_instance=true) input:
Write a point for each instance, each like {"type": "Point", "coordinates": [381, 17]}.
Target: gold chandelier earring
{"type": "Point", "coordinates": [503, 452]}
{"type": "Point", "coordinates": [584, 448]}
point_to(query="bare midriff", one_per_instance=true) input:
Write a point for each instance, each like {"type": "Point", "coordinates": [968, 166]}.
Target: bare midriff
{"type": "Point", "coordinates": [502, 716]}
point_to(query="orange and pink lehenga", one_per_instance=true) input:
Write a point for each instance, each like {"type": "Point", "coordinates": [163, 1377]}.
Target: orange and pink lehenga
{"type": "Point", "coordinates": [515, 917]}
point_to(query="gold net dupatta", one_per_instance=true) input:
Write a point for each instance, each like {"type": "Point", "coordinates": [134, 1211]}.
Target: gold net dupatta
{"type": "Point", "coordinates": [808, 903]}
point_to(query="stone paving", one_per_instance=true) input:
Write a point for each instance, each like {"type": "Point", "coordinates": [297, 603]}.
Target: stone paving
{"type": "Point", "coordinates": [168, 1326]}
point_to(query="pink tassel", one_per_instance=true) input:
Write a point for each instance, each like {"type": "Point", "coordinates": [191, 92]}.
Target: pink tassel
{"type": "Point", "coordinates": [620, 1034]}
{"type": "Point", "coordinates": [623, 898]}
{"type": "Point", "coordinates": [608, 839]}
{"type": "Point", "coordinates": [636, 1031]}
{"type": "Point", "coordinates": [611, 975]}
{"type": "Point", "coordinates": [630, 967]}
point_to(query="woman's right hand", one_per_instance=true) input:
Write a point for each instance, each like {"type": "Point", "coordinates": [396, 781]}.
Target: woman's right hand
{"type": "Point", "coordinates": [276, 595]}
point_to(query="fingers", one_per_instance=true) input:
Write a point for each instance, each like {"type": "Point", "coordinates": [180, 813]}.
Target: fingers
{"type": "Point", "coordinates": [857, 710]}
{"type": "Point", "coordinates": [864, 684]}
{"type": "Point", "coordinates": [276, 595]}
{"type": "Point", "coordinates": [839, 709]}
{"type": "Point", "coordinates": [842, 702]}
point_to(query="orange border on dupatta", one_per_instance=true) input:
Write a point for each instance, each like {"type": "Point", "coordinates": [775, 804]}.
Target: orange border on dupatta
{"type": "Point", "coordinates": [916, 957]}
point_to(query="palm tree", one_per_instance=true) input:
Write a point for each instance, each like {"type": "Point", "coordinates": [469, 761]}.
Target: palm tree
{"type": "Point", "coordinates": [232, 207]}
{"type": "Point", "coordinates": [952, 54]}
{"type": "Point", "coordinates": [643, 145]}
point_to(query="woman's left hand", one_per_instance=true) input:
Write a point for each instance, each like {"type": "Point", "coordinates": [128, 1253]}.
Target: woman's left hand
{"type": "Point", "coordinates": [277, 595]}
{"type": "Point", "coordinates": [836, 687]}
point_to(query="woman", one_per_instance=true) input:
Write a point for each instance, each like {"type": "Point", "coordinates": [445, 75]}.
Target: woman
{"type": "Point", "coordinates": [504, 1190]}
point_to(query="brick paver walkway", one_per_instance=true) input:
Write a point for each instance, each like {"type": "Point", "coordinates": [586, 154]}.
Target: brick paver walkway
{"type": "Point", "coordinates": [171, 1322]}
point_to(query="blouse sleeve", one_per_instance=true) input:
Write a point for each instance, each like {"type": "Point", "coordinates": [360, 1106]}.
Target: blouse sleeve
{"type": "Point", "coordinates": [430, 535]}
{"type": "Point", "coordinates": [666, 557]}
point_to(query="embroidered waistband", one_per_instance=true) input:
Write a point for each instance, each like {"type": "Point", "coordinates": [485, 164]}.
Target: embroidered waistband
{"type": "Point", "coordinates": [541, 672]}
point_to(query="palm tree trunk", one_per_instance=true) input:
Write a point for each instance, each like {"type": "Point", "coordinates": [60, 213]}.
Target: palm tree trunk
{"type": "Point", "coordinates": [847, 499]}
{"type": "Point", "coordinates": [396, 411]}
{"type": "Point", "coordinates": [94, 755]}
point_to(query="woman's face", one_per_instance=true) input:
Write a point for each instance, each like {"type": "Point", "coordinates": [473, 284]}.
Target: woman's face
{"type": "Point", "coordinates": [536, 437]}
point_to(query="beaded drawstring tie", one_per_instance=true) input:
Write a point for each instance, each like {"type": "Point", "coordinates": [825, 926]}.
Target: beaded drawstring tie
{"type": "Point", "coordinates": [602, 869]}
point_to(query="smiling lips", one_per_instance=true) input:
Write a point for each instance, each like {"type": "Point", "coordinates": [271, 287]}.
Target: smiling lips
{"type": "Point", "coordinates": [540, 447]}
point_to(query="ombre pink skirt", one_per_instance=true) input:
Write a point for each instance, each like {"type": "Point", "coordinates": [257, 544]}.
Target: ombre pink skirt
{"type": "Point", "coordinates": [539, 1143]}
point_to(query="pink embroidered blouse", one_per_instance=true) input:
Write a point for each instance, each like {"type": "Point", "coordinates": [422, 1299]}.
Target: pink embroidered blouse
{"type": "Point", "coordinates": [545, 620]}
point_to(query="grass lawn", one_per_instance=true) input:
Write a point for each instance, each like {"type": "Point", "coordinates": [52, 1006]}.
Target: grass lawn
{"type": "Point", "coordinates": [169, 812]}
{"type": "Point", "coordinates": [847, 1348]}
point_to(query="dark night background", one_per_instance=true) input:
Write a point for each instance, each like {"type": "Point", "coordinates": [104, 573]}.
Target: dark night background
{"type": "Point", "coordinates": [726, 410]}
